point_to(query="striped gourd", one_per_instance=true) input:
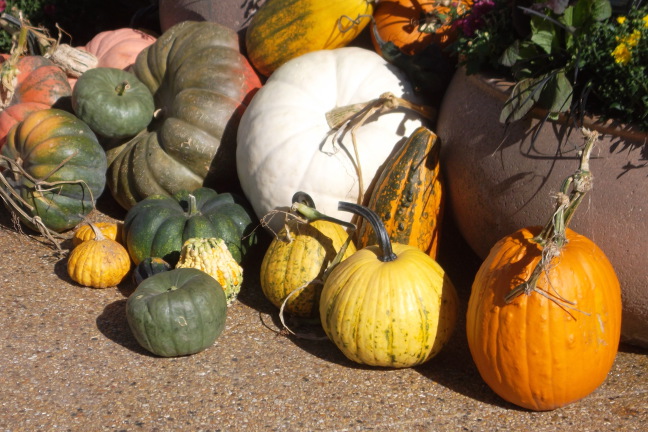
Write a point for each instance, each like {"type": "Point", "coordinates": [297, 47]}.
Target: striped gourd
{"type": "Point", "coordinates": [408, 195]}
{"type": "Point", "coordinates": [284, 29]}
{"type": "Point", "coordinates": [295, 262]}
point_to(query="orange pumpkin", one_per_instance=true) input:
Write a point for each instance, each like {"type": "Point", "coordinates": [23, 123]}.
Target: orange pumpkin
{"type": "Point", "coordinates": [38, 84]}
{"type": "Point", "coordinates": [538, 351]}
{"type": "Point", "coordinates": [412, 25]}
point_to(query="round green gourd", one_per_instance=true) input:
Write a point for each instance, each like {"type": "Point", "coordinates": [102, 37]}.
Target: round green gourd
{"type": "Point", "coordinates": [61, 153]}
{"type": "Point", "coordinates": [176, 313]}
{"type": "Point", "coordinates": [113, 102]}
{"type": "Point", "coordinates": [148, 267]}
{"type": "Point", "coordinates": [159, 225]}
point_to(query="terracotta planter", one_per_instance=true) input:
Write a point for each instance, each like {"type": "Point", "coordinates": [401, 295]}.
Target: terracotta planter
{"type": "Point", "coordinates": [499, 179]}
{"type": "Point", "coordinates": [235, 14]}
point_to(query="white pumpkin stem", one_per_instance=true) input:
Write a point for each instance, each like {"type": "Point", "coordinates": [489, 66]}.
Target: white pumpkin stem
{"type": "Point", "coordinates": [353, 116]}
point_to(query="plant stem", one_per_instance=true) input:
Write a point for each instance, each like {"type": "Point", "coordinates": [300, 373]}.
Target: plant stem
{"type": "Point", "coordinates": [553, 235]}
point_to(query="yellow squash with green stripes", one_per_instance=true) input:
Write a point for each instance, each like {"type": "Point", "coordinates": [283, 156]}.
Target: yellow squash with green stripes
{"type": "Point", "coordinates": [284, 29]}
{"type": "Point", "coordinates": [388, 305]}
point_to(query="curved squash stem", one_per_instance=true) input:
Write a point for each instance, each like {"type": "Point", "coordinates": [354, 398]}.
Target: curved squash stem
{"type": "Point", "coordinates": [384, 243]}
{"type": "Point", "coordinates": [553, 235]}
{"type": "Point", "coordinates": [351, 117]}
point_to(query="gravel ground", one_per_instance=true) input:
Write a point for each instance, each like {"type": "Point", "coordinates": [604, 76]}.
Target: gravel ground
{"type": "Point", "coordinates": [69, 362]}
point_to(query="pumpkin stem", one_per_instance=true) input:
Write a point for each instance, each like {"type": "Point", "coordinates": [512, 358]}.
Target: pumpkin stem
{"type": "Point", "coordinates": [97, 232]}
{"type": "Point", "coordinates": [384, 243]}
{"type": "Point", "coordinates": [122, 87]}
{"type": "Point", "coordinates": [193, 207]}
{"type": "Point", "coordinates": [553, 235]}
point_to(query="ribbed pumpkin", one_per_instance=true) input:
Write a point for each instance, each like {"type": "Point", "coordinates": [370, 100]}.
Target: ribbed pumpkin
{"type": "Point", "coordinates": [389, 304]}
{"type": "Point", "coordinates": [201, 84]}
{"type": "Point", "coordinates": [544, 315]}
{"type": "Point", "coordinates": [116, 48]}
{"type": "Point", "coordinates": [412, 25]}
{"type": "Point", "coordinates": [177, 313]}
{"type": "Point", "coordinates": [63, 155]}
{"type": "Point", "coordinates": [408, 195]}
{"type": "Point", "coordinates": [284, 29]}
{"type": "Point", "coordinates": [159, 225]}
{"type": "Point", "coordinates": [111, 230]}
{"type": "Point", "coordinates": [38, 84]}
{"type": "Point", "coordinates": [113, 102]}
{"type": "Point", "coordinates": [295, 262]}
{"type": "Point", "coordinates": [99, 262]}
{"type": "Point", "coordinates": [212, 256]}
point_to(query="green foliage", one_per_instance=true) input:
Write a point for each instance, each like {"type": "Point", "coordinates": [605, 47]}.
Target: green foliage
{"type": "Point", "coordinates": [565, 56]}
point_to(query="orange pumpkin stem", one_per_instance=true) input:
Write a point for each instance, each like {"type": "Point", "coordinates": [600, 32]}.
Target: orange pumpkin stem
{"type": "Point", "coordinates": [553, 236]}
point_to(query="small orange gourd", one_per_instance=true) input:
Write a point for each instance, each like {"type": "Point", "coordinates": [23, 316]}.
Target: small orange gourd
{"type": "Point", "coordinates": [85, 232]}
{"type": "Point", "coordinates": [544, 315]}
{"type": "Point", "coordinates": [99, 262]}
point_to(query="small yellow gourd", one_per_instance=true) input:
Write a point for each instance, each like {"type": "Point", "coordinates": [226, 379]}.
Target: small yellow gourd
{"type": "Point", "coordinates": [99, 262]}
{"type": "Point", "coordinates": [85, 232]}
{"type": "Point", "coordinates": [212, 256]}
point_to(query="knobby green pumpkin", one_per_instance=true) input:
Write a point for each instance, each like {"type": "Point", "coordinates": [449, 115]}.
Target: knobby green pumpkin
{"type": "Point", "coordinates": [175, 313]}
{"type": "Point", "coordinates": [389, 304]}
{"type": "Point", "coordinates": [201, 83]}
{"type": "Point", "coordinates": [54, 162]}
{"type": "Point", "coordinates": [113, 102]}
{"type": "Point", "coordinates": [159, 225]}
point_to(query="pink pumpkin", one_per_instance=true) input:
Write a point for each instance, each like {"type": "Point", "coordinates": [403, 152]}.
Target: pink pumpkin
{"type": "Point", "coordinates": [117, 48]}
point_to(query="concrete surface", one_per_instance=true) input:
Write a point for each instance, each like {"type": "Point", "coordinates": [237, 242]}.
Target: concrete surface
{"type": "Point", "coordinates": [68, 362]}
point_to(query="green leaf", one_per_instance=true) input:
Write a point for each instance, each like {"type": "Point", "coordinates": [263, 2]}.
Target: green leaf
{"type": "Point", "coordinates": [543, 34]}
{"type": "Point", "coordinates": [523, 97]}
{"type": "Point", "coordinates": [600, 9]}
{"type": "Point", "coordinates": [557, 93]}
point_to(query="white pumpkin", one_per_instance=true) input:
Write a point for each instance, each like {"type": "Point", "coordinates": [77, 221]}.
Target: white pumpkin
{"type": "Point", "coordinates": [285, 144]}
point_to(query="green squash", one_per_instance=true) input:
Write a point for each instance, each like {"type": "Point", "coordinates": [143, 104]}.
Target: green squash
{"type": "Point", "coordinates": [201, 84]}
{"type": "Point", "coordinates": [113, 102]}
{"type": "Point", "coordinates": [176, 313]}
{"type": "Point", "coordinates": [56, 165]}
{"type": "Point", "coordinates": [159, 225]}
{"type": "Point", "coordinates": [148, 267]}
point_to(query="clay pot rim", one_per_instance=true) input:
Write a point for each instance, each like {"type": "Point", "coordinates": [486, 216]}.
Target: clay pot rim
{"type": "Point", "coordinates": [501, 87]}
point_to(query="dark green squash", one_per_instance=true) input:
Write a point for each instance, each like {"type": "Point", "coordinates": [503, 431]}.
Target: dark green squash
{"type": "Point", "coordinates": [54, 162]}
{"type": "Point", "coordinates": [148, 267]}
{"type": "Point", "coordinates": [201, 83]}
{"type": "Point", "coordinates": [176, 313]}
{"type": "Point", "coordinates": [113, 102]}
{"type": "Point", "coordinates": [159, 225]}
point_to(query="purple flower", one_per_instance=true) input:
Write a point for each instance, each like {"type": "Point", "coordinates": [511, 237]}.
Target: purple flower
{"type": "Point", "coordinates": [3, 5]}
{"type": "Point", "coordinates": [473, 21]}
